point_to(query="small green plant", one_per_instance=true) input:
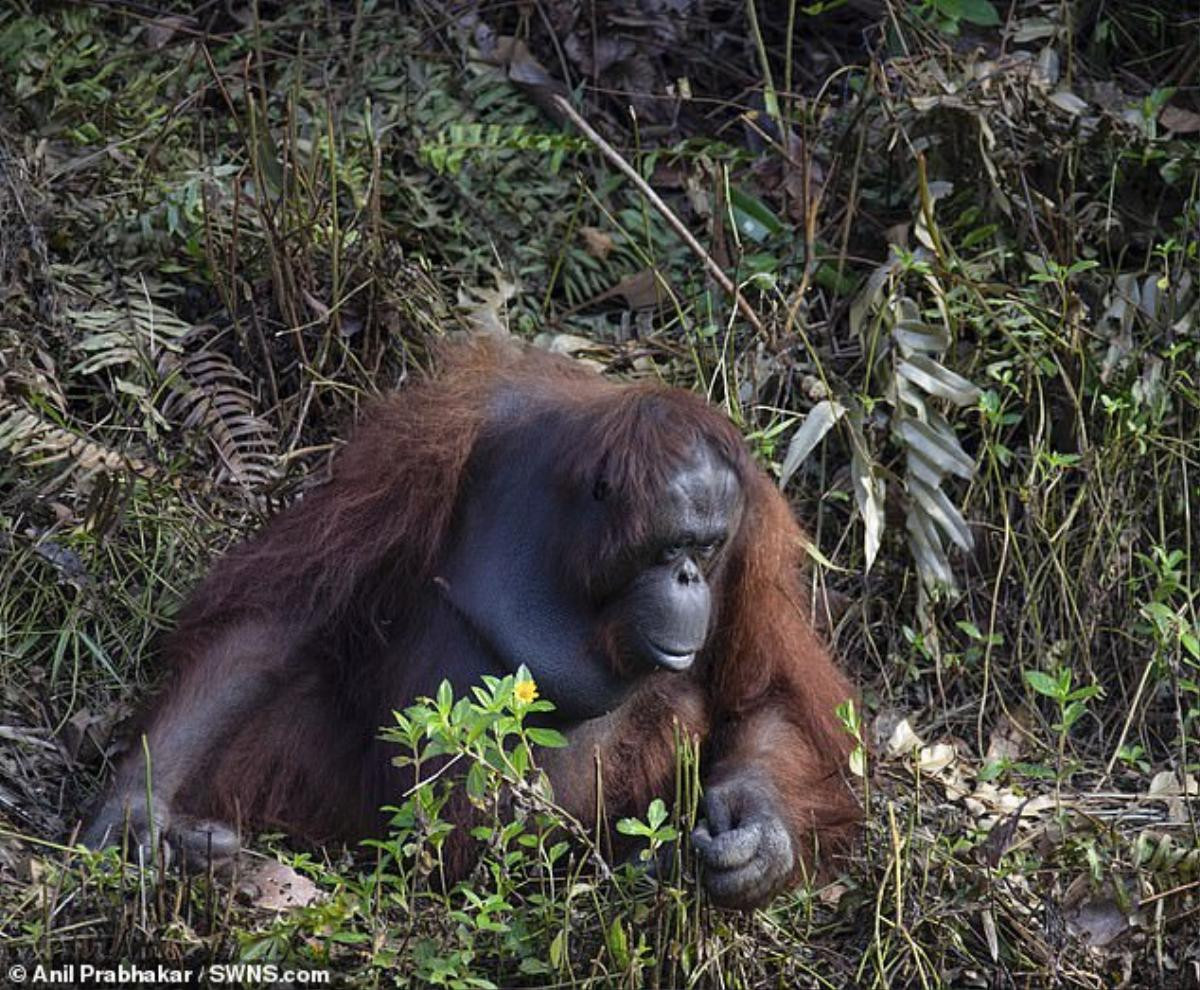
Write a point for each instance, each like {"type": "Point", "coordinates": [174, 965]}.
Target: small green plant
{"type": "Point", "coordinates": [851, 720]}
{"type": "Point", "coordinates": [1071, 701]}
{"type": "Point", "coordinates": [1170, 621]}
{"type": "Point", "coordinates": [1133, 757]}
{"type": "Point", "coordinates": [460, 143]}
{"type": "Point", "coordinates": [656, 830]}
{"type": "Point", "coordinates": [950, 15]}
{"type": "Point", "coordinates": [980, 642]}
{"type": "Point", "coordinates": [540, 899]}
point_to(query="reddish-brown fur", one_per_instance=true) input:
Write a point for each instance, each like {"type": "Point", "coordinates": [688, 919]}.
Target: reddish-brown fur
{"type": "Point", "coordinates": [324, 593]}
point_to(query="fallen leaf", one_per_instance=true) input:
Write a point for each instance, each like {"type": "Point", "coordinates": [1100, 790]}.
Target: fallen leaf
{"type": "Point", "coordinates": [161, 30]}
{"type": "Point", "coordinates": [989, 932]}
{"type": "Point", "coordinates": [486, 309]}
{"type": "Point", "coordinates": [1098, 922]}
{"type": "Point", "coordinates": [900, 738]}
{"type": "Point", "coordinates": [831, 894]}
{"type": "Point", "coordinates": [936, 757]}
{"type": "Point", "coordinates": [1005, 742]}
{"type": "Point", "coordinates": [597, 243]}
{"type": "Point", "coordinates": [1165, 786]}
{"type": "Point", "coordinates": [594, 55]}
{"type": "Point", "coordinates": [1095, 915]}
{"type": "Point", "coordinates": [1000, 837]}
{"type": "Point", "coordinates": [85, 736]}
{"type": "Point", "coordinates": [573, 346]}
{"type": "Point", "coordinates": [1067, 101]}
{"type": "Point", "coordinates": [1179, 120]}
{"type": "Point", "coordinates": [529, 75]}
{"type": "Point", "coordinates": [274, 886]}
{"type": "Point", "coordinates": [641, 290]}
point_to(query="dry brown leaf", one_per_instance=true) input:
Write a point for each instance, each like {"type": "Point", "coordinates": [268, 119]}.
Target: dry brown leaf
{"type": "Point", "coordinates": [1001, 836]}
{"type": "Point", "coordinates": [989, 932]}
{"type": "Point", "coordinates": [275, 886]}
{"type": "Point", "coordinates": [1165, 786]}
{"type": "Point", "coordinates": [832, 894]}
{"type": "Point", "coordinates": [902, 738]}
{"type": "Point", "coordinates": [1098, 922]}
{"type": "Point", "coordinates": [486, 310]}
{"type": "Point", "coordinates": [1179, 120]}
{"type": "Point", "coordinates": [641, 290]}
{"type": "Point", "coordinates": [85, 736]}
{"type": "Point", "coordinates": [159, 31]}
{"type": "Point", "coordinates": [1005, 742]}
{"type": "Point", "coordinates": [594, 55]}
{"type": "Point", "coordinates": [529, 75]}
{"type": "Point", "coordinates": [597, 243]}
{"type": "Point", "coordinates": [667, 175]}
{"type": "Point", "coordinates": [1068, 102]}
{"type": "Point", "coordinates": [937, 757]}
{"type": "Point", "coordinates": [1094, 915]}
{"type": "Point", "coordinates": [573, 346]}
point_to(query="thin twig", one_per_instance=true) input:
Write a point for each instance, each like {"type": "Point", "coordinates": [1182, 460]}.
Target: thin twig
{"type": "Point", "coordinates": [656, 201]}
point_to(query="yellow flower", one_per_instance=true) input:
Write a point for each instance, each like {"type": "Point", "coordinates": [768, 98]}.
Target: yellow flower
{"type": "Point", "coordinates": [525, 691]}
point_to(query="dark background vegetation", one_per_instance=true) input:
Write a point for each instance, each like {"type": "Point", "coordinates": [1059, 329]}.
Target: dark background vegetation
{"type": "Point", "coordinates": [965, 233]}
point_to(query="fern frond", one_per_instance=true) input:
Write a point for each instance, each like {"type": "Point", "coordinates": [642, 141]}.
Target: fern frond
{"type": "Point", "coordinates": [209, 393]}
{"type": "Point", "coordinates": [30, 438]}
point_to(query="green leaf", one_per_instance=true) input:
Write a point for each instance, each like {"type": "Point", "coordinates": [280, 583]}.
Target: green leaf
{"type": "Point", "coordinates": [618, 943]}
{"type": "Point", "coordinates": [979, 234]}
{"type": "Point", "coordinates": [477, 781]}
{"type": "Point", "coordinates": [1072, 714]}
{"type": "Point", "coordinates": [550, 738]}
{"type": "Point", "coordinates": [632, 826]}
{"type": "Point", "coordinates": [980, 12]}
{"type": "Point", "coordinates": [1190, 643]}
{"type": "Point", "coordinates": [1162, 616]}
{"type": "Point", "coordinates": [1042, 683]}
{"type": "Point", "coordinates": [520, 758]}
{"type": "Point", "coordinates": [558, 945]}
{"type": "Point", "coordinates": [991, 771]}
{"type": "Point", "coordinates": [753, 218]}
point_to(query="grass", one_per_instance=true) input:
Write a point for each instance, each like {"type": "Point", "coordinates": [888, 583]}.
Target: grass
{"type": "Point", "coordinates": [974, 270]}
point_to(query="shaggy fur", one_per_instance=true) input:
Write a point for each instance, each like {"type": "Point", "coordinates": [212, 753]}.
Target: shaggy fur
{"type": "Point", "coordinates": [302, 640]}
